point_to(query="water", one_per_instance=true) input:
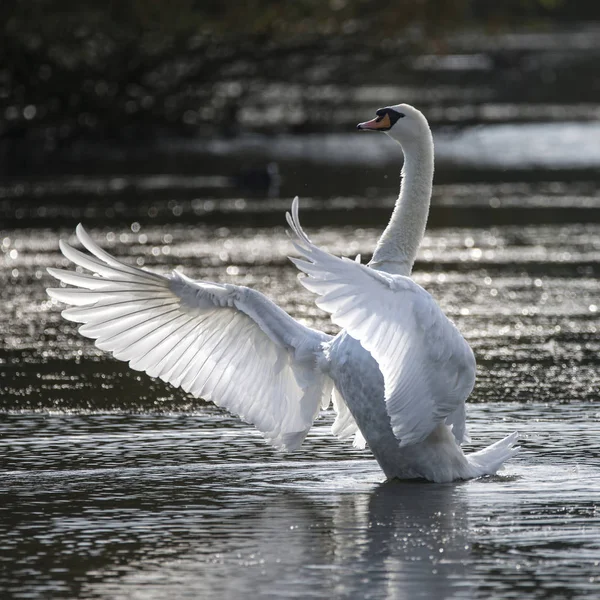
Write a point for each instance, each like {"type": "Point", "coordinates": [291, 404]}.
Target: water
{"type": "Point", "coordinates": [128, 506]}
{"type": "Point", "coordinates": [116, 486]}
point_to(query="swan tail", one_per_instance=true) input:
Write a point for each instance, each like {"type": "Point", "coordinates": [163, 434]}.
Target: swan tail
{"type": "Point", "coordinates": [489, 460]}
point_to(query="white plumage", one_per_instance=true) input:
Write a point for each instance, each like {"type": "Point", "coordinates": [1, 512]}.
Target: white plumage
{"type": "Point", "coordinates": [399, 372]}
{"type": "Point", "coordinates": [224, 343]}
{"type": "Point", "coordinates": [428, 368]}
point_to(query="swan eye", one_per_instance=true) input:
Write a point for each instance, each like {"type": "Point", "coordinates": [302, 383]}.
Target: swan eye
{"type": "Point", "coordinates": [394, 116]}
{"type": "Point", "coordinates": [391, 114]}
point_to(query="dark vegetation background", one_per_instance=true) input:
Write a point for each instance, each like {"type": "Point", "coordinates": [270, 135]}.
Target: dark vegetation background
{"type": "Point", "coordinates": [131, 70]}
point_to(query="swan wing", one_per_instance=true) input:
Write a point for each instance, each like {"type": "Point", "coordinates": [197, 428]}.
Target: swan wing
{"type": "Point", "coordinates": [427, 366]}
{"type": "Point", "coordinates": [220, 342]}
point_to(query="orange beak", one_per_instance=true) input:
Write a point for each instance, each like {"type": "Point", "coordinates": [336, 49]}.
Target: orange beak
{"type": "Point", "coordinates": [375, 124]}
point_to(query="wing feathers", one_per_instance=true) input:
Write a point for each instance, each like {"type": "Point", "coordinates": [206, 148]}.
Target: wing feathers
{"type": "Point", "coordinates": [221, 342]}
{"type": "Point", "coordinates": [428, 368]}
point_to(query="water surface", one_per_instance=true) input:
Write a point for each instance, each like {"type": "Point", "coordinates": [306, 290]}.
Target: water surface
{"type": "Point", "coordinates": [116, 486]}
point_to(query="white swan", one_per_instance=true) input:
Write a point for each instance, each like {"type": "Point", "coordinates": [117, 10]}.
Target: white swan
{"type": "Point", "coordinates": [399, 372]}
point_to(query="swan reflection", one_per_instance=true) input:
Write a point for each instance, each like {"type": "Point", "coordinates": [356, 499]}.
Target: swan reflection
{"type": "Point", "coordinates": [411, 541]}
{"type": "Point", "coordinates": [402, 540]}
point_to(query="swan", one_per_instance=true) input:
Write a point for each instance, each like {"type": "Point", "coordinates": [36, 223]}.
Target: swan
{"type": "Point", "coordinates": [398, 373]}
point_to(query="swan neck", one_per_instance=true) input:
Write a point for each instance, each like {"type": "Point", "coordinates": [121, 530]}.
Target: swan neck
{"type": "Point", "coordinates": [397, 248]}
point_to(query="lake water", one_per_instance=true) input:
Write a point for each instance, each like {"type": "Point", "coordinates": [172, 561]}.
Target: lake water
{"type": "Point", "coordinates": [114, 486]}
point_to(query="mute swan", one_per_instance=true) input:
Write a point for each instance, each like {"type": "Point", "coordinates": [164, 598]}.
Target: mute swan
{"type": "Point", "coordinates": [399, 373]}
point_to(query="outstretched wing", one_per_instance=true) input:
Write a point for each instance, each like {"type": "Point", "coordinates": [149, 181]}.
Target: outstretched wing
{"type": "Point", "coordinates": [224, 343]}
{"type": "Point", "coordinates": [427, 366]}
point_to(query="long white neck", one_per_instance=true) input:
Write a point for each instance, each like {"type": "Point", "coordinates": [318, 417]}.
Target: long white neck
{"type": "Point", "coordinates": [397, 248]}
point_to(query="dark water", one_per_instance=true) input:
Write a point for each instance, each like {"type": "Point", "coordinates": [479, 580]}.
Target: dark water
{"type": "Point", "coordinates": [194, 505]}
{"type": "Point", "coordinates": [116, 486]}
{"type": "Point", "coordinates": [113, 485]}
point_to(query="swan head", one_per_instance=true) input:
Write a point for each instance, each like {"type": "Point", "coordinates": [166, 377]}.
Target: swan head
{"type": "Point", "coordinates": [402, 122]}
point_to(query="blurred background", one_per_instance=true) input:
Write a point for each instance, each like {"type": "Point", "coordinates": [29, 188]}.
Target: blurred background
{"type": "Point", "coordinates": [147, 86]}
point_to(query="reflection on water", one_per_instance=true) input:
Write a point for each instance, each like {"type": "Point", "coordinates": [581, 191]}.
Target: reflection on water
{"type": "Point", "coordinates": [522, 146]}
{"type": "Point", "coordinates": [395, 541]}
{"type": "Point", "coordinates": [132, 506]}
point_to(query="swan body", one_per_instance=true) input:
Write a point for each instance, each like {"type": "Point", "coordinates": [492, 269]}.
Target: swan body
{"type": "Point", "coordinates": [398, 373]}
